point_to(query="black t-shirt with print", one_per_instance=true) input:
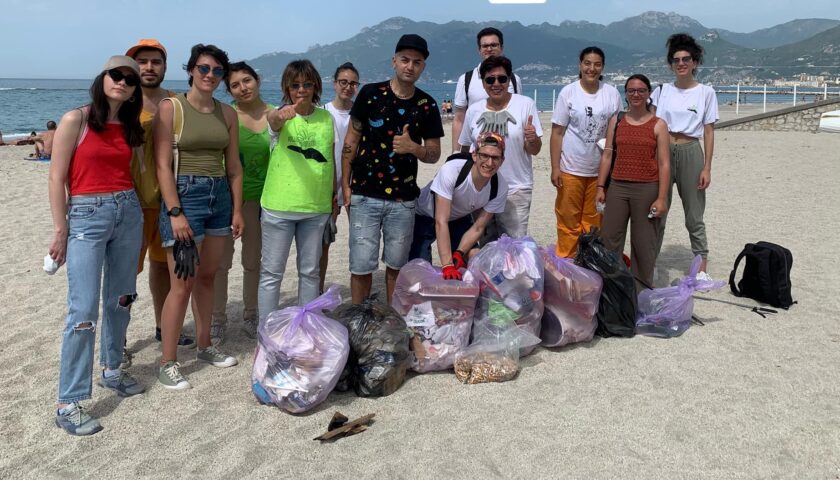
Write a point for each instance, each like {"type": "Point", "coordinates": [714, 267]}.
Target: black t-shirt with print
{"type": "Point", "coordinates": [377, 171]}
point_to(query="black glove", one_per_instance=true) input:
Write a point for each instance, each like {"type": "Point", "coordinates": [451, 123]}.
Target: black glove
{"type": "Point", "coordinates": [186, 258]}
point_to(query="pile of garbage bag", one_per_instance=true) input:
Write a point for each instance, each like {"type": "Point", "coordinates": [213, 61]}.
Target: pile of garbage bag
{"type": "Point", "coordinates": [572, 295]}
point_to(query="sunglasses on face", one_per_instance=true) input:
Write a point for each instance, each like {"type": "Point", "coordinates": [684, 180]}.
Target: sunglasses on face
{"type": "Point", "coordinates": [130, 79]}
{"type": "Point", "coordinates": [636, 91]}
{"type": "Point", "coordinates": [304, 85]}
{"type": "Point", "coordinates": [348, 83]}
{"type": "Point", "coordinates": [503, 79]}
{"type": "Point", "coordinates": [685, 59]}
{"type": "Point", "coordinates": [218, 72]}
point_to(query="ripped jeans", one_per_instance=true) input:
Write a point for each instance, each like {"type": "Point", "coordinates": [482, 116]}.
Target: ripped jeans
{"type": "Point", "coordinates": [103, 246]}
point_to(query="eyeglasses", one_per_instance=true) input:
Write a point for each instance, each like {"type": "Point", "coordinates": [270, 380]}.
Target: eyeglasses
{"type": "Point", "coordinates": [348, 83]}
{"type": "Point", "coordinates": [218, 72]}
{"type": "Point", "coordinates": [484, 157]}
{"type": "Point", "coordinates": [685, 59]}
{"type": "Point", "coordinates": [304, 85]}
{"type": "Point", "coordinates": [503, 79]}
{"type": "Point", "coordinates": [130, 79]}
{"type": "Point", "coordinates": [636, 91]}
{"type": "Point", "coordinates": [488, 46]}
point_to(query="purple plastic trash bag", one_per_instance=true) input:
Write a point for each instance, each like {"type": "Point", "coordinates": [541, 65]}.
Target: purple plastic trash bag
{"type": "Point", "coordinates": [510, 276]}
{"type": "Point", "coordinates": [300, 354]}
{"type": "Point", "coordinates": [438, 312]}
{"type": "Point", "coordinates": [572, 294]}
{"type": "Point", "coordinates": [666, 312]}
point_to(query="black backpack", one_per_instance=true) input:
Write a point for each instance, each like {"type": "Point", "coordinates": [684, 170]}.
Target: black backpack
{"type": "Point", "coordinates": [468, 78]}
{"type": "Point", "coordinates": [766, 274]}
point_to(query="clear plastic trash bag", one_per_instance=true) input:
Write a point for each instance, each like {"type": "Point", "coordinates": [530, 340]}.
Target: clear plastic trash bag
{"type": "Point", "coordinates": [572, 295]}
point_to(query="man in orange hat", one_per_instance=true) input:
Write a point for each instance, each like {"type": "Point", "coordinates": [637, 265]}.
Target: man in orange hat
{"type": "Point", "coordinates": [150, 55]}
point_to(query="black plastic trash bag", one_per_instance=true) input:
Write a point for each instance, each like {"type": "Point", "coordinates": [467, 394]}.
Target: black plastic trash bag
{"type": "Point", "coordinates": [379, 355]}
{"type": "Point", "coordinates": [617, 306]}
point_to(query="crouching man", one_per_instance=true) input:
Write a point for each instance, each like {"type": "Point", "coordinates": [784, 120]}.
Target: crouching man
{"type": "Point", "coordinates": [455, 207]}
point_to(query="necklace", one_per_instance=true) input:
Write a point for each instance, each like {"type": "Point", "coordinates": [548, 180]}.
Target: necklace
{"type": "Point", "coordinates": [401, 97]}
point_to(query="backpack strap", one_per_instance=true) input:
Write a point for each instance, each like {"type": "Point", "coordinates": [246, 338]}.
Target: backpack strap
{"type": "Point", "coordinates": [177, 131]}
{"type": "Point", "coordinates": [515, 85]}
{"type": "Point", "coordinates": [494, 186]}
{"type": "Point", "coordinates": [465, 171]}
{"type": "Point", "coordinates": [732, 285]}
{"type": "Point", "coordinates": [618, 118]}
{"type": "Point", "coordinates": [467, 78]}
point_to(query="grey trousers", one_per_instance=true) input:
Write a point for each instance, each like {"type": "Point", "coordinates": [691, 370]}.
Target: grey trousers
{"type": "Point", "coordinates": [687, 162]}
{"type": "Point", "coordinates": [631, 201]}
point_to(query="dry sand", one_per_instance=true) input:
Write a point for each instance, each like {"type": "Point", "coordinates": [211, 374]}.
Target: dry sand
{"type": "Point", "coordinates": [741, 397]}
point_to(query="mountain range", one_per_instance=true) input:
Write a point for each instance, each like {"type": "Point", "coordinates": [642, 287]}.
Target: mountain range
{"type": "Point", "coordinates": [545, 53]}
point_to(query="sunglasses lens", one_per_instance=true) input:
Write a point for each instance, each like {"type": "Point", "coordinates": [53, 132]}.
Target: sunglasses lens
{"type": "Point", "coordinates": [219, 72]}
{"type": "Point", "coordinates": [117, 76]}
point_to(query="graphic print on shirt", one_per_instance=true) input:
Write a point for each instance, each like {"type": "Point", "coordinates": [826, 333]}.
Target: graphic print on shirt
{"type": "Point", "coordinates": [495, 122]}
{"type": "Point", "coordinates": [592, 130]}
{"type": "Point", "coordinates": [377, 170]}
{"type": "Point", "coordinates": [301, 141]}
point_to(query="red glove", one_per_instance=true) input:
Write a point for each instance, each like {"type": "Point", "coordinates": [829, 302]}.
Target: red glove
{"type": "Point", "coordinates": [451, 273]}
{"type": "Point", "coordinates": [458, 259]}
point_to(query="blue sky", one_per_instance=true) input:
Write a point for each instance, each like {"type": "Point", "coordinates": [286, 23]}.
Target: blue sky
{"type": "Point", "coordinates": [72, 38]}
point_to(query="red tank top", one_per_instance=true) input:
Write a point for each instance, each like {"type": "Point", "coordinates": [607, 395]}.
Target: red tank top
{"type": "Point", "coordinates": [635, 159]}
{"type": "Point", "coordinates": [102, 162]}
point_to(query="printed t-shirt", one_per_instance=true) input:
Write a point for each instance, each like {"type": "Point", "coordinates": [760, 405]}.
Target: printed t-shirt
{"type": "Point", "coordinates": [254, 154]}
{"type": "Point", "coordinates": [341, 119]}
{"type": "Point", "coordinates": [687, 110]}
{"type": "Point", "coordinates": [301, 170]}
{"type": "Point", "coordinates": [465, 198]}
{"type": "Point", "coordinates": [517, 167]}
{"type": "Point", "coordinates": [477, 91]}
{"type": "Point", "coordinates": [585, 116]}
{"type": "Point", "coordinates": [377, 171]}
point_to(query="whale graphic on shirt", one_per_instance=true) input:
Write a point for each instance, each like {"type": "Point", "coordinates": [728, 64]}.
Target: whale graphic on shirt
{"type": "Point", "coordinates": [308, 153]}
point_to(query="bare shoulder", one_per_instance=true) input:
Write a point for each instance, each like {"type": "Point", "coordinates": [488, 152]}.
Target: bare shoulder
{"type": "Point", "coordinates": [661, 126]}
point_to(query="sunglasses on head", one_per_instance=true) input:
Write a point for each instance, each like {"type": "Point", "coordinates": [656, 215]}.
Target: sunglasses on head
{"type": "Point", "coordinates": [218, 72]}
{"type": "Point", "coordinates": [503, 79]}
{"type": "Point", "coordinates": [117, 75]}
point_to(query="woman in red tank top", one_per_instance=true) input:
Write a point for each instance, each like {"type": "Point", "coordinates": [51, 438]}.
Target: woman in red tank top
{"type": "Point", "coordinates": [639, 187]}
{"type": "Point", "coordinates": [98, 232]}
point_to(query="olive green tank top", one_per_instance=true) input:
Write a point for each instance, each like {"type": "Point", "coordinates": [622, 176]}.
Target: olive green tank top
{"type": "Point", "coordinates": [203, 141]}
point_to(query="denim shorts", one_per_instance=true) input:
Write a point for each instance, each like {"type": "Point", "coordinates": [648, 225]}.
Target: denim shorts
{"type": "Point", "coordinates": [368, 217]}
{"type": "Point", "coordinates": [206, 203]}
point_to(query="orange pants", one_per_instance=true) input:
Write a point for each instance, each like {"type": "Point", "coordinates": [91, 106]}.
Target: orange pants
{"type": "Point", "coordinates": [151, 239]}
{"type": "Point", "coordinates": [575, 211]}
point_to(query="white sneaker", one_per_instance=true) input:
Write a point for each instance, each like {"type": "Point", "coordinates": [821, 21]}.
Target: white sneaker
{"type": "Point", "coordinates": [214, 357]}
{"type": "Point", "coordinates": [703, 277]}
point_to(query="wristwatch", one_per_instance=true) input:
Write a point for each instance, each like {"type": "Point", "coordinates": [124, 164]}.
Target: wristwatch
{"type": "Point", "coordinates": [174, 211]}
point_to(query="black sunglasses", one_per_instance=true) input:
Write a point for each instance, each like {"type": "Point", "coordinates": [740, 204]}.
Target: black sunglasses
{"type": "Point", "coordinates": [503, 79]}
{"type": "Point", "coordinates": [116, 75]}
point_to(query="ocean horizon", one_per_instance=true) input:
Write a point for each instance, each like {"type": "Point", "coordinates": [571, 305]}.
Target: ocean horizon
{"type": "Point", "coordinates": [28, 103]}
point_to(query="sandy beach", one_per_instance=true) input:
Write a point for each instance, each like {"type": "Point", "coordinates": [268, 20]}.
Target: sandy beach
{"type": "Point", "coordinates": [741, 397]}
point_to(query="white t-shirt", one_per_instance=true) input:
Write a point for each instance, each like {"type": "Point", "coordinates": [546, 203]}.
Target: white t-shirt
{"type": "Point", "coordinates": [465, 199]}
{"type": "Point", "coordinates": [585, 116]}
{"type": "Point", "coordinates": [517, 167]}
{"type": "Point", "coordinates": [341, 119]}
{"type": "Point", "coordinates": [688, 110]}
{"type": "Point", "coordinates": [477, 91]}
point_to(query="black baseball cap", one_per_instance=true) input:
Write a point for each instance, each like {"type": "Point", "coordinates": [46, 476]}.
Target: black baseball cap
{"type": "Point", "coordinates": [414, 42]}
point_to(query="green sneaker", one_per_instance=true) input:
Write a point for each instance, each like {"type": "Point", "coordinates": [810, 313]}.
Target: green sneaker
{"type": "Point", "coordinates": [170, 377]}
{"type": "Point", "coordinates": [249, 326]}
{"type": "Point", "coordinates": [213, 356]}
{"type": "Point", "coordinates": [75, 421]}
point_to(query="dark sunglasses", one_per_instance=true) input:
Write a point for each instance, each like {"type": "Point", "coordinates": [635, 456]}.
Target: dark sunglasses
{"type": "Point", "coordinates": [116, 75]}
{"type": "Point", "coordinates": [218, 72]}
{"type": "Point", "coordinates": [685, 59]}
{"type": "Point", "coordinates": [305, 85]}
{"type": "Point", "coordinates": [503, 79]}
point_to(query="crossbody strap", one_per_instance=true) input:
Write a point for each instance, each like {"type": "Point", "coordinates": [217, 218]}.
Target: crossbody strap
{"type": "Point", "coordinates": [177, 130]}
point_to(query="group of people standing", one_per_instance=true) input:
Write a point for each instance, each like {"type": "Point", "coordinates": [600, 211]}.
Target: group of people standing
{"type": "Point", "coordinates": [181, 176]}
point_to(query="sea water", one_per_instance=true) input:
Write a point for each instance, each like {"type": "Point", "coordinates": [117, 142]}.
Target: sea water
{"type": "Point", "coordinates": [27, 104]}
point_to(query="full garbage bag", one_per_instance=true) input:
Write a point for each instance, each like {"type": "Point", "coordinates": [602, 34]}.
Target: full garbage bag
{"type": "Point", "coordinates": [572, 295]}
{"type": "Point", "coordinates": [438, 313]}
{"type": "Point", "coordinates": [300, 355]}
{"type": "Point", "coordinates": [617, 306]}
{"type": "Point", "coordinates": [510, 275]}
{"type": "Point", "coordinates": [666, 312]}
{"type": "Point", "coordinates": [494, 357]}
{"type": "Point", "coordinates": [379, 355]}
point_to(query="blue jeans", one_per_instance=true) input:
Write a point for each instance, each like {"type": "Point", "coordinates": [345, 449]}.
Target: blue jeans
{"type": "Point", "coordinates": [425, 235]}
{"type": "Point", "coordinates": [277, 236]}
{"type": "Point", "coordinates": [105, 233]}
{"type": "Point", "coordinates": [368, 217]}
{"type": "Point", "coordinates": [207, 204]}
